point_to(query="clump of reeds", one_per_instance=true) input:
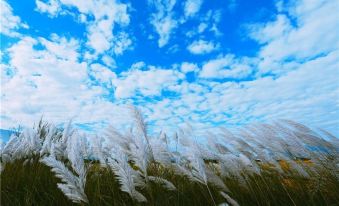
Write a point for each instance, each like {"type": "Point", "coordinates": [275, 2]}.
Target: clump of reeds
{"type": "Point", "coordinates": [284, 163]}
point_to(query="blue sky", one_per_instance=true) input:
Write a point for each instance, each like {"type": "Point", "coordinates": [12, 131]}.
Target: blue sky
{"type": "Point", "coordinates": [207, 63]}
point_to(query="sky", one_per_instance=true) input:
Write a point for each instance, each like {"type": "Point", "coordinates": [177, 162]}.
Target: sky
{"type": "Point", "coordinates": [207, 63]}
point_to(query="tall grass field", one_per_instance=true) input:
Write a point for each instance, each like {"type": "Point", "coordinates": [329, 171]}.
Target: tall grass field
{"type": "Point", "coordinates": [283, 163]}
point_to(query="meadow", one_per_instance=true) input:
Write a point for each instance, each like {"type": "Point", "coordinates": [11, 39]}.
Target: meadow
{"type": "Point", "coordinates": [282, 163]}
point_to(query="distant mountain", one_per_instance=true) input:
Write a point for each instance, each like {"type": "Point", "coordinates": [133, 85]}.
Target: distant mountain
{"type": "Point", "coordinates": [5, 134]}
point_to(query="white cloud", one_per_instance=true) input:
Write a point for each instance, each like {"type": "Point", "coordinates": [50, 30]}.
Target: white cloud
{"type": "Point", "coordinates": [305, 94]}
{"type": "Point", "coordinates": [102, 73]}
{"type": "Point", "coordinates": [265, 33]}
{"type": "Point", "coordinates": [48, 79]}
{"type": "Point", "coordinates": [98, 40]}
{"type": "Point", "coordinates": [122, 42]}
{"type": "Point", "coordinates": [311, 35]}
{"type": "Point", "coordinates": [227, 67]}
{"type": "Point", "coordinates": [163, 20]}
{"type": "Point", "coordinates": [52, 7]}
{"type": "Point", "coordinates": [188, 67]}
{"type": "Point", "coordinates": [99, 9]}
{"type": "Point", "coordinates": [9, 22]}
{"type": "Point", "coordinates": [202, 27]}
{"type": "Point", "coordinates": [209, 23]}
{"type": "Point", "coordinates": [100, 30]}
{"type": "Point", "coordinates": [109, 61]}
{"type": "Point", "coordinates": [192, 7]}
{"type": "Point", "coordinates": [138, 66]}
{"type": "Point", "coordinates": [303, 59]}
{"type": "Point", "coordinates": [202, 47]}
{"type": "Point", "coordinates": [149, 83]}
{"type": "Point", "coordinates": [213, 18]}
{"type": "Point", "coordinates": [301, 53]}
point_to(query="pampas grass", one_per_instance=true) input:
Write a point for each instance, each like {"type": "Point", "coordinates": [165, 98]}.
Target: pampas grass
{"type": "Point", "coordinates": [283, 163]}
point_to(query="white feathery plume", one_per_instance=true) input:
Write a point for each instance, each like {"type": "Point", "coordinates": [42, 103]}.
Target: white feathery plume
{"type": "Point", "coordinates": [163, 137]}
{"type": "Point", "coordinates": [60, 145]}
{"type": "Point", "coordinates": [140, 154]}
{"type": "Point", "coordinates": [312, 139]}
{"type": "Point", "coordinates": [292, 145]}
{"type": "Point", "coordinates": [198, 168]}
{"type": "Point", "coordinates": [230, 165]}
{"type": "Point", "coordinates": [165, 183]}
{"type": "Point", "coordinates": [34, 140]}
{"type": "Point", "coordinates": [161, 153]}
{"type": "Point", "coordinates": [141, 127]}
{"type": "Point", "coordinates": [128, 178]}
{"type": "Point", "coordinates": [72, 186]}
{"type": "Point", "coordinates": [333, 140]}
{"type": "Point", "coordinates": [198, 171]}
{"type": "Point", "coordinates": [97, 150]}
{"type": "Point", "coordinates": [203, 174]}
{"type": "Point", "coordinates": [214, 145]}
{"type": "Point", "coordinates": [26, 144]}
{"type": "Point", "coordinates": [75, 153]}
{"type": "Point", "coordinates": [115, 137]}
{"type": "Point", "coordinates": [245, 161]}
{"type": "Point", "coordinates": [268, 143]}
{"type": "Point", "coordinates": [46, 146]}
{"type": "Point", "coordinates": [67, 132]}
{"type": "Point", "coordinates": [298, 168]}
{"type": "Point", "coordinates": [231, 201]}
{"type": "Point", "coordinates": [195, 155]}
{"type": "Point", "coordinates": [7, 153]}
{"type": "Point", "coordinates": [215, 179]}
{"type": "Point", "coordinates": [140, 149]}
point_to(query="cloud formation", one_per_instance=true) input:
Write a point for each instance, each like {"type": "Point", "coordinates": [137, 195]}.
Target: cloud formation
{"type": "Point", "coordinates": [100, 18]}
{"type": "Point", "coordinates": [163, 19]}
{"type": "Point", "coordinates": [290, 69]}
{"type": "Point", "coordinates": [192, 7]}
{"type": "Point", "coordinates": [202, 47]}
{"type": "Point", "coordinates": [228, 67]}
{"type": "Point", "coordinates": [9, 22]}
{"type": "Point", "coordinates": [148, 83]}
